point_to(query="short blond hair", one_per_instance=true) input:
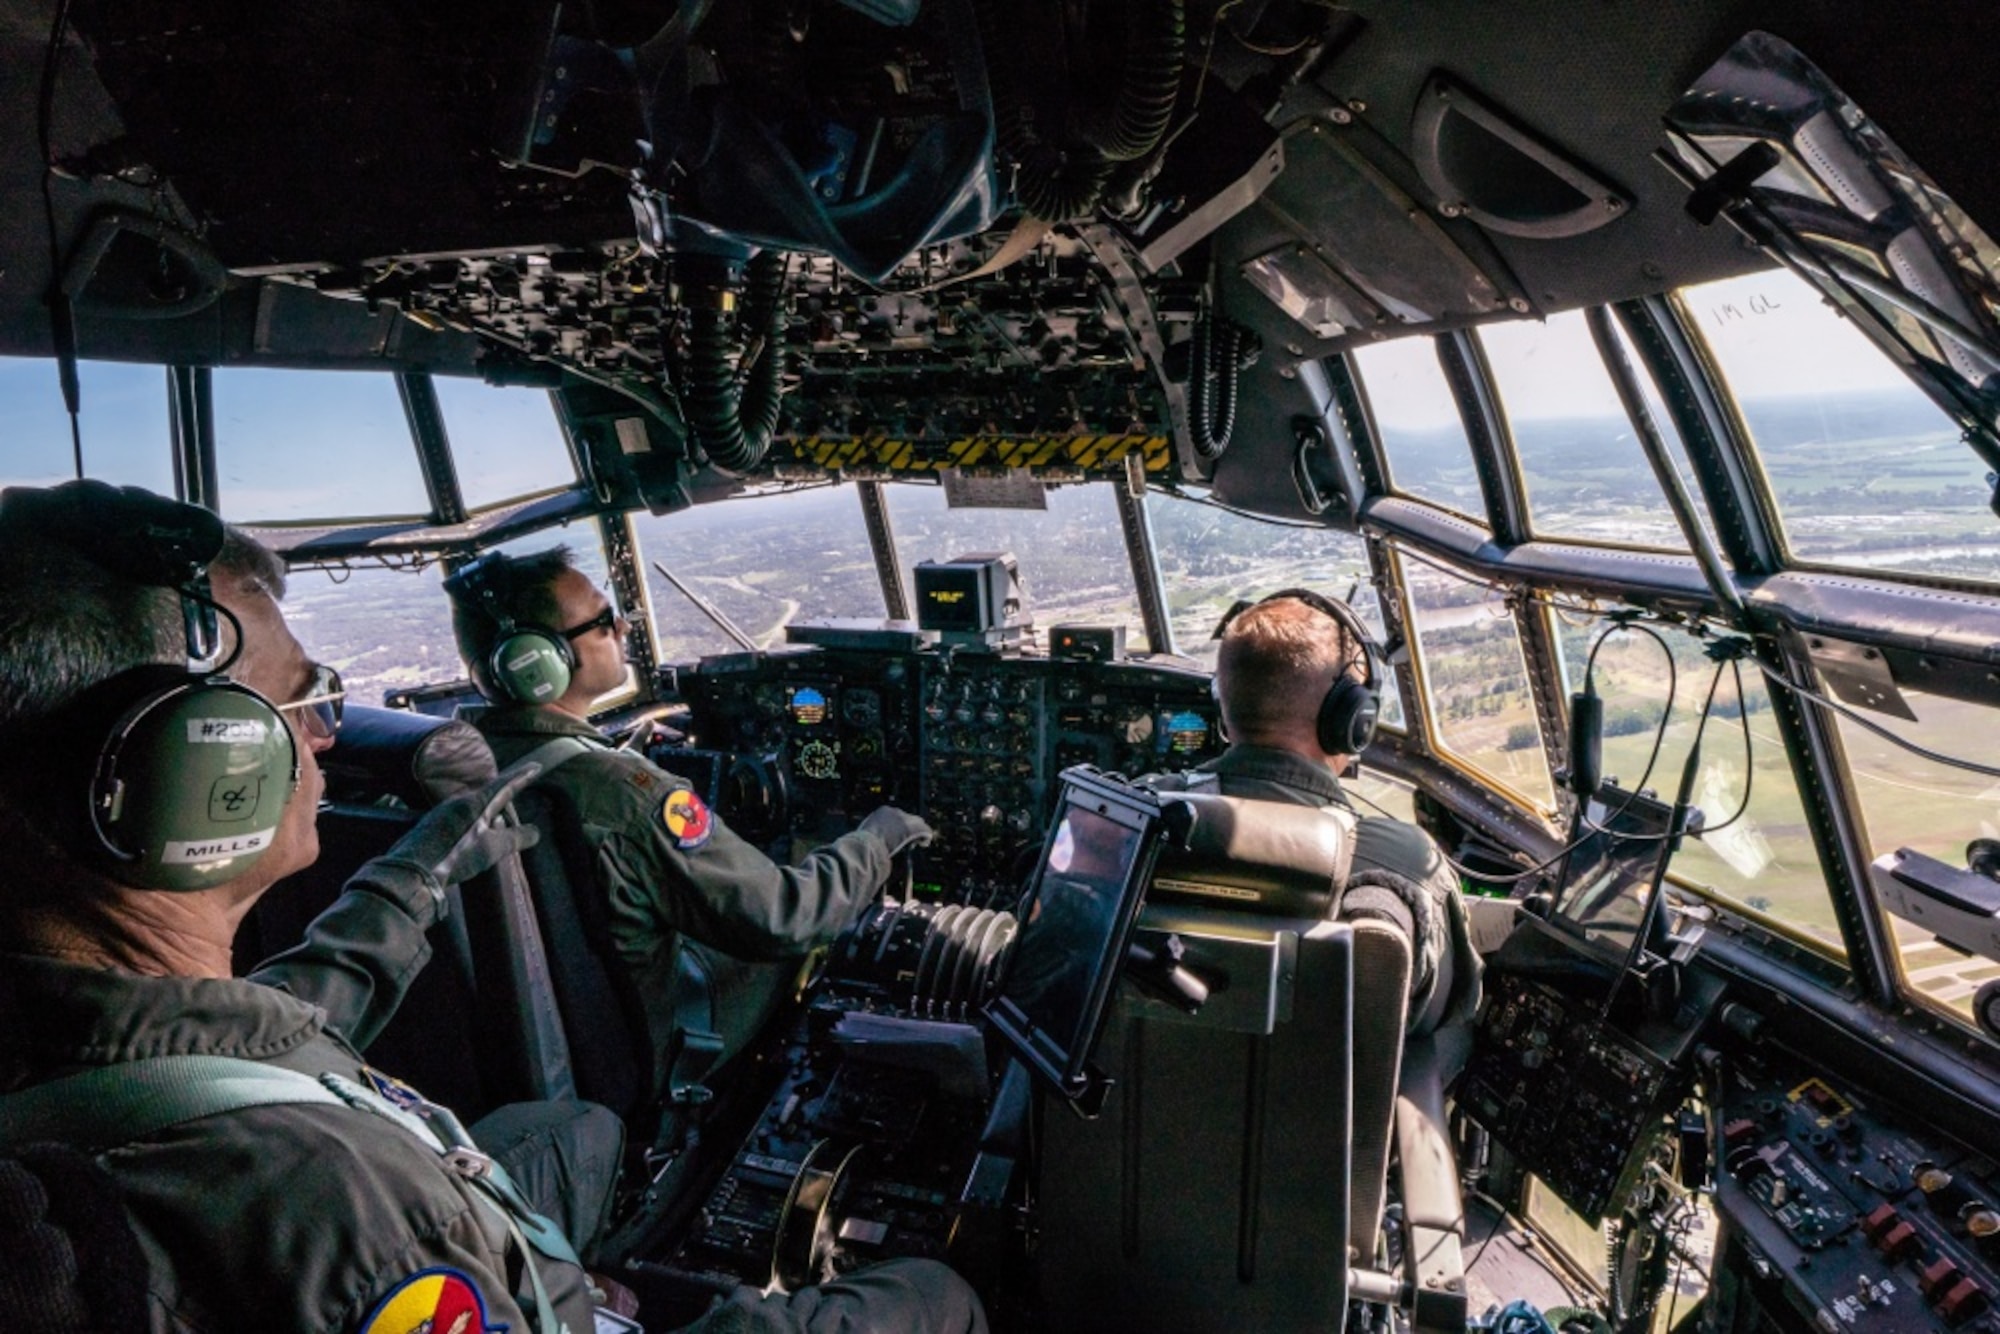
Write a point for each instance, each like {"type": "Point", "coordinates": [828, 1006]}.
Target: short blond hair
{"type": "Point", "coordinates": [1277, 661]}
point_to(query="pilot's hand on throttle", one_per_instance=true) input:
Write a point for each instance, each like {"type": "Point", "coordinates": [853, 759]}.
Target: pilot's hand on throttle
{"type": "Point", "coordinates": [465, 836]}
{"type": "Point", "coordinates": [899, 829]}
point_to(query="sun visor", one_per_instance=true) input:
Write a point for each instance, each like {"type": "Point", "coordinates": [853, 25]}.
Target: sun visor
{"type": "Point", "coordinates": [1767, 141]}
{"type": "Point", "coordinates": [1387, 267]}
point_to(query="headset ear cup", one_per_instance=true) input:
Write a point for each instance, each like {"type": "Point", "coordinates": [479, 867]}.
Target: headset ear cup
{"type": "Point", "coordinates": [532, 666]}
{"type": "Point", "coordinates": [191, 780]}
{"type": "Point", "coordinates": [1347, 718]}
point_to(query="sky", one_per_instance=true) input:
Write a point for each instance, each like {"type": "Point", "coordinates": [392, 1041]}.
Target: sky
{"type": "Point", "coordinates": [1771, 331]}
{"type": "Point", "coordinates": [290, 445]}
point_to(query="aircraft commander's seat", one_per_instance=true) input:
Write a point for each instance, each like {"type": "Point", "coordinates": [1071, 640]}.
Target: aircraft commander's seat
{"type": "Point", "coordinates": [1237, 1175]}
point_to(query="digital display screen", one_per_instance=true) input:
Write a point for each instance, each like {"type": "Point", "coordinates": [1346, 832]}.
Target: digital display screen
{"type": "Point", "coordinates": [961, 597]}
{"type": "Point", "coordinates": [808, 706]}
{"type": "Point", "coordinates": [1614, 870]}
{"type": "Point", "coordinates": [1184, 733]}
{"type": "Point", "coordinates": [949, 605]}
{"type": "Point", "coordinates": [1071, 927]}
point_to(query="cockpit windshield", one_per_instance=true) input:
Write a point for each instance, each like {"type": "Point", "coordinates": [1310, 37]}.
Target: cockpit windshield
{"type": "Point", "coordinates": [764, 562]}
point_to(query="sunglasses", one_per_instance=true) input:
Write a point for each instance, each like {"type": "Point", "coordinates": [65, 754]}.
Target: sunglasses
{"type": "Point", "coordinates": [322, 704]}
{"type": "Point", "coordinates": [604, 620]}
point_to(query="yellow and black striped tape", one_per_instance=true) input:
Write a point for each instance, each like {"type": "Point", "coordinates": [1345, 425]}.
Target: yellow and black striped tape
{"type": "Point", "coordinates": [1093, 453]}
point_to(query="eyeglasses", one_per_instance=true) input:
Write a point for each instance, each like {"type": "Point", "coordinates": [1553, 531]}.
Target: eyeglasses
{"type": "Point", "coordinates": [607, 619]}
{"type": "Point", "coordinates": [323, 703]}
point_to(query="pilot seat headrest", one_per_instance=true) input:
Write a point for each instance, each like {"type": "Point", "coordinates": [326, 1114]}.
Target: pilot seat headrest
{"type": "Point", "coordinates": [1256, 856]}
{"type": "Point", "coordinates": [415, 758]}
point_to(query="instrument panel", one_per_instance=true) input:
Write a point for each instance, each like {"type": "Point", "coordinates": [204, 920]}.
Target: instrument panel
{"type": "Point", "coordinates": [1574, 1099]}
{"type": "Point", "coordinates": [818, 737]}
{"type": "Point", "coordinates": [1864, 1218]}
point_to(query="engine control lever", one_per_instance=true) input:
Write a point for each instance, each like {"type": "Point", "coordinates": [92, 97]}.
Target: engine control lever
{"type": "Point", "coordinates": [1159, 972]}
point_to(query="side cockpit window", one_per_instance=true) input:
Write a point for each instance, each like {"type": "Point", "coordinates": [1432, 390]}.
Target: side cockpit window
{"type": "Point", "coordinates": [1868, 473]}
{"type": "Point", "coordinates": [1416, 419]}
{"type": "Point", "coordinates": [123, 424]}
{"type": "Point", "coordinates": [1914, 802]}
{"type": "Point", "coordinates": [1476, 683]}
{"type": "Point", "coordinates": [382, 629]}
{"type": "Point", "coordinates": [1763, 860]}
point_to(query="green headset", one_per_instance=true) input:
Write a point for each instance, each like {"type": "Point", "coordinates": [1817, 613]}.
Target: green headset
{"type": "Point", "coordinates": [1350, 709]}
{"type": "Point", "coordinates": [189, 773]}
{"type": "Point", "coordinates": [527, 664]}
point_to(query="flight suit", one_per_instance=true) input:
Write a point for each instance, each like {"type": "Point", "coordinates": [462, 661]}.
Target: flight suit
{"type": "Point", "coordinates": [665, 874]}
{"type": "Point", "coordinates": [289, 1217]}
{"type": "Point", "coordinates": [1398, 874]}
{"type": "Point", "coordinates": [668, 868]}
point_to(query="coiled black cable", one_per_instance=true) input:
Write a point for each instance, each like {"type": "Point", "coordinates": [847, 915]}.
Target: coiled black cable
{"type": "Point", "coordinates": [1149, 83]}
{"type": "Point", "coordinates": [1218, 355]}
{"type": "Point", "coordinates": [1051, 183]}
{"type": "Point", "coordinates": [732, 411]}
{"type": "Point", "coordinates": [1062, 177]}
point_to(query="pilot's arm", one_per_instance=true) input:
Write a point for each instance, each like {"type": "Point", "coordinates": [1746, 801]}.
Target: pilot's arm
{"type": "Point", "coordinates": [668, 865]}
{"type": "Point", "coordinates": [360, 955]}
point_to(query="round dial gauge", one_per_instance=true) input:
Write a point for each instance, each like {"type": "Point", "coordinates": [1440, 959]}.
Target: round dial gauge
{"type": "Point", "coordinates": [862, 707]}
{"type": "Point", "coordinates": [817, 759]}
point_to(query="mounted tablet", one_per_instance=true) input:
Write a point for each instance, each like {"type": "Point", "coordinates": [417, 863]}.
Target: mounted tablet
{"type": "Point", "coordinates": [1076, 921]}
{"type": "Point", "coordinates": [1619, 854]}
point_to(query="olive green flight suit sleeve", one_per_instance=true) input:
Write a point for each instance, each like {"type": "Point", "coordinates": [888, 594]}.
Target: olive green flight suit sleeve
{"type": "Point", "coordinates": [360, 955]}
{"type": "Point", "coordinates": [715, 887]}
{"type": "Point", "coordinates": [1400, 875]}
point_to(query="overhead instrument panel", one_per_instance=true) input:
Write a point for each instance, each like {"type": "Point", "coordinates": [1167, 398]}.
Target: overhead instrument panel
{"type": "Point", "coordinates": [1033, 367]}
{"type": "Point", "coordinates": [819, 736]}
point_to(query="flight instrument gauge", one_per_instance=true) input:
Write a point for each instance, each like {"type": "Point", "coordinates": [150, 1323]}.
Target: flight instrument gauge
{"type": "Point", "coordinates": [817, 759]}
{"type": "Point", "coordinates": [863, 708]}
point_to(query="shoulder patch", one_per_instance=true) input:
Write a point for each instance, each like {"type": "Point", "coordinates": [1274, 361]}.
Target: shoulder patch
{"type": "Point", "coordinates": [686, 817]}
{"type": "Point", "coordinates": [431, 1301]}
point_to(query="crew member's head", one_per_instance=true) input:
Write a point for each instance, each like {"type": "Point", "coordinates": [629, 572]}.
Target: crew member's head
{"type": "Point", "coordinates": [123, 774]}
{"type": "Point", "coordinates": [1281, 663]}
{"type": "Point", "coordinates": [535, 630]}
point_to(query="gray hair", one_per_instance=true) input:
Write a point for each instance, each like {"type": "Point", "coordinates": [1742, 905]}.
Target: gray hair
{"type": "Point", "coordinates": [253, 566]}
{"type": "Point", "coordinates": [67, 623]}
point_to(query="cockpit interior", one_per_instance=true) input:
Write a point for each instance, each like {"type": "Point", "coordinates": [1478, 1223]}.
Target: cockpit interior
{"type": "Point", "coordinates": [925, 381]}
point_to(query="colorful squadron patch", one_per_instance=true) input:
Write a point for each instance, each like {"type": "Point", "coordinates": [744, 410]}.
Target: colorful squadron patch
{"type": "Point", "coordinates": [432, 1301]}
{"type": "Point", "coordinates": [687, 819]}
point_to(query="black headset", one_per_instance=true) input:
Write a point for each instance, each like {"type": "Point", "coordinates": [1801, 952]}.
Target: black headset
{"type": "Point", "coordinates": [1350, 709]}
{"type": "Point", "coordinates": [527, 664]}
{"type": "Point", "coordinates": [189, 773]}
